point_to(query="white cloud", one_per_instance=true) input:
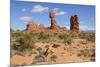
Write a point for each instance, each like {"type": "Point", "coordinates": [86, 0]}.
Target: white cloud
{"type": "Point", "coordinates": [39, 8]}
{"type": "Point", "coordinates": [86, 27]}
{"type": "Point", "coordinates": [47, 25]}
{"type": "Point", "coordinates": [23, 10]}
{"type": "Point", "coordinates": [83, 26]}
{"type": "Point", "coordinates": [56, 9]}
{"type": "Point", "coordinates": [82, 22]}
{"type": "Point", "coordinates": [60, 13]}
{"type": "Point", "coordinates": [25, 19]}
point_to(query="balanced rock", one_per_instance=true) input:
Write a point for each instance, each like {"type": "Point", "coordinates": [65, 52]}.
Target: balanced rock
{"type": "Point", "coordinates": [53, 21]}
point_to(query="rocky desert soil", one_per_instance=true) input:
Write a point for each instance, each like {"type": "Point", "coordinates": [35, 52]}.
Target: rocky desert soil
{"type": "Point", "coordinates": [55, 51]}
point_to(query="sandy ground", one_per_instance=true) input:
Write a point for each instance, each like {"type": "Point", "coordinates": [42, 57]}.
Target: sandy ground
{"type": "Point", "coordinates": [64, 53]}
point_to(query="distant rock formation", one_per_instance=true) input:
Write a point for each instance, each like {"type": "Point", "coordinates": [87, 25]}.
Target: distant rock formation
{"type": "Point", "coordinates": [33, 26]}
{"type": "Point", "coordinates": [64, 29]}
{"type": "Point", "coordinates": [74, 23]}
{"type": "Point", "coordinates": [53, 21]}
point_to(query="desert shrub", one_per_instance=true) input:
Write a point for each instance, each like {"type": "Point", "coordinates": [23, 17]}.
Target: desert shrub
{"type": "Point", "coordinates": [19, 53]}
{"type": "Point", "coordinates": [34, 53]}
{"type": "Point", "coordinates": [88, 53]}
{"type": "Point", "coordinates": [87, 36]}
{"type": "Point", "coordinates": [66, 38]}
{"type": "Point", "coordinates": [62, 35]}
{"type": "Point", "coordinates": [40, 57]}
{"type": "Point", "coordinates": [47, 46]}
{"type": "Point", "coordinates": [25, 42]}
{"type": "Point", "coordinates": [35, 37]}
{"type": "Point", "coordinates": [53, 58]}
{"type": "Point", "coordinates": [92, 59]}
{"type": "Point", "coordinates": [42, 52]}
{"type": "Point", "coordinates": [92, 53]}
{"type": "Point", "coordinates": [39, 49]}
{"type": "Point", "coordinates": [91, 37]}
{"type": "Point", "coordinates": [83, 35]}
{"type": "Point", "coordinates": [22, 41]}
{"type": "Point", "coordinates": [83, 42]}
{"type": "Point", "coordinates": [73, 34]}
{"type": "Point", "coordinates": [51, 52]}
{"type": "Point", "coordinates": [16, 34]}
{"type": "Point", "coordinates": [43, 36]}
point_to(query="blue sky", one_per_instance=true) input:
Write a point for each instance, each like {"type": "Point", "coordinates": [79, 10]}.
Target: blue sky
{"type": "Point", "coordinates": [22, 12]}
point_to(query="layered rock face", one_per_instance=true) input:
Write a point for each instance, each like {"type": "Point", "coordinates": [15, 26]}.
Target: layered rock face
{"type": "Point", "coordinates": [53, 21]}
{"type": "Point", "coordinates": [33, 26]}
{"type": "Point", "coordinates": [74, 23]}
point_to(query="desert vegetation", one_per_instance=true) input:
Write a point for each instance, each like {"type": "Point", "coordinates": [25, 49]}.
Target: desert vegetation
{"type": "Point", "coordinates": [90, 36]}
{"type": "Point", "coordinates": [42, 46]}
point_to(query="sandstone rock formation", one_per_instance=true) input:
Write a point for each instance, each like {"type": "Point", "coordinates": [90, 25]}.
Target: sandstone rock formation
{"type": "Point", "coordinates": [53, 21]}
{"type": "Point", "coordinates": [74, 23]}
{"type": "Point", "coordinates": [33, 26]}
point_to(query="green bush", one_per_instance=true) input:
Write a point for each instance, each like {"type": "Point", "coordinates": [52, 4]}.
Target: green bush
{"type": "Point", "coordinates": [87, 53]}
{"type": "Point", "coordinates": [22, 41]}
{"type": "Point", "coordinates": [62, 35]}
{"type": "Point", "coordinates": [40, 57]}
{"type": "Point", "coordinates": [87, 36]}
{"type": "Point", "coordinates": [43, 36]}
{"type": "Point", "coordinates": [66, 38]}
{"type": "Point", "coordinates": [16, 34]}
{"type": "Point", "coordinates": [53, 58]}
{"type": "Point", "coordinates": [73, 34]}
